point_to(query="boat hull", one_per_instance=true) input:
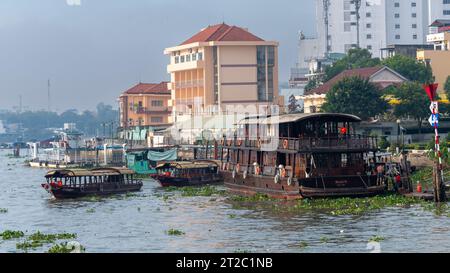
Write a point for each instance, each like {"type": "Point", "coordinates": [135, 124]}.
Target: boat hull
{"type": "Point", "coordinates": [166, 181]}
{"type": "Point", "coordinates": [96, 190]}
{"type": "Point", "coordinates": [345, 186]}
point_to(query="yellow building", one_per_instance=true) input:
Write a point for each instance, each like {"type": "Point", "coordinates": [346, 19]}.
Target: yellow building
{"type": "Point", "coordinates": [439, 58]}
{"type": "Point", "coordinates": [145, 105]}
{"type": "Point", "coordinates": [222, 66]}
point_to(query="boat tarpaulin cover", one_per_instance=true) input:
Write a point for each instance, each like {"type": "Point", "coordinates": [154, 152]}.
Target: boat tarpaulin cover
{"type": "Point", "coordinates": [169, 155]}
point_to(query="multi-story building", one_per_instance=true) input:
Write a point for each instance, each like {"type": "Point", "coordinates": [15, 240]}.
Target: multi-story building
{"type": "Point", "coordinates": [381, 23]}
{"type": "Point", "coordinates": [222, 66]}
{"type": "Point", "coordinates": [439, 57]}
{"type": "Point", "coordinates": [438, 10]}
{"type": "Point", "coordinates": [145, 105]}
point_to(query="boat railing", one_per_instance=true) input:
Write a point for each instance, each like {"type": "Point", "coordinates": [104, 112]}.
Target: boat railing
{"type": "Point", "coordinates": [344, 142]}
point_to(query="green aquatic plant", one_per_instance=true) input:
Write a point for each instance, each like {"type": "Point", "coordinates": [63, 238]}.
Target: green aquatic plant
{"type": "Point", "coordinates": [50, 238]}
{"type": "Point", "coordinates": [205, 191]}
{"type": "Point", "coordinates": [92, 210]}
{"type": "Point", "coordinates": [11, 234]}
{"type": "Point", "coordinates": [64, 248]}
{"type": "Point", "coordinates": [303, 245]}
{"type": "Point", "coordinates": [232, 216]}
{"type": "Point", "coordinates": [2, 210]}
{"type": "Point", "coordinates": [376, 239]}
{"type": "Point", "coordinates": [175, 232]}
{"type": "Point", "coordinates": [324, 239]}
{"type": "Point", "coordinates": [29, 244]}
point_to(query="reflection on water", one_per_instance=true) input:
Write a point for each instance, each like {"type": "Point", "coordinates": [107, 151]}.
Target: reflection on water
{"type": "Point", "coordinates": [138, 222]}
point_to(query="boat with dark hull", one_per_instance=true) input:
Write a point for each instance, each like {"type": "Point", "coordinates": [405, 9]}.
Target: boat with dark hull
{"type": "Point", "coordinates": [63, 184]}
{"type": "Point", "coordinates": [301, 156]}
{"type": "Point", "coordinates": [187, 173]}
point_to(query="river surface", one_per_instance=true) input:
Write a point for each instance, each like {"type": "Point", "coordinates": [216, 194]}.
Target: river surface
{"type": "Point", "coordinates": [139, 223]}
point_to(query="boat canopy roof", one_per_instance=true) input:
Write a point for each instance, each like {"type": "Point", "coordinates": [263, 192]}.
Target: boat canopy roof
{"type": "Point", "coordinates": [188, 165]}
{"type": "Point", "coordinates": [289, 118]}
{"type": "Point", "coordinates": [93, 172]}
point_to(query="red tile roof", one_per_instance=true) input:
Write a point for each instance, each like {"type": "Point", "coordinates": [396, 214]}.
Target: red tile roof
{"type": "Point", "coordinates": [364, 73]}
{"type": "Point", "coordinates": [149, 88]}
{"type": "Point", "coordinates": [222, 32]}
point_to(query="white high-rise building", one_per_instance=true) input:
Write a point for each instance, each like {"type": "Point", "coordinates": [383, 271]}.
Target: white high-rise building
{"type": "Point", "coordinates": [438, 9]}
{"type": "Point", "coordinates": [381, 23]}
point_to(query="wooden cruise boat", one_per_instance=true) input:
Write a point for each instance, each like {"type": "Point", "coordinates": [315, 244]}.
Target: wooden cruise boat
{"type": "Point", "coordinates": [80, 183]}
{"type": "Point", "coordinates": [301, 156]}
{"type": "Point", "coordinates": [187, 173]}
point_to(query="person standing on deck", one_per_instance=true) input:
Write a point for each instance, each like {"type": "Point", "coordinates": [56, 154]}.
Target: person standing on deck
{"type": "Point", "coordinates": [380, 174]}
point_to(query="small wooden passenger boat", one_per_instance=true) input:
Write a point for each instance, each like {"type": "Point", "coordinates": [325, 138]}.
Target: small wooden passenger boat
{"type": "Point", "coordinates": [80, 183]}
{"type": "Point", "coordinates": [186, 173]}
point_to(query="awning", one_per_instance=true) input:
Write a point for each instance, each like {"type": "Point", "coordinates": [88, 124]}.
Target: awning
{"type": "Point", "coordinates": [297, 117]}
{"type": "Point", "coordinates": [169, 155]}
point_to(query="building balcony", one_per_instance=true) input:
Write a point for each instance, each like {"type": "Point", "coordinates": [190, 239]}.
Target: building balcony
{"type": "Point", "coordinates": [347, 143]}
{"type": "Point", "coordinates": [154, 110]}
{"type": "Point", "coordinates": [185, 66]}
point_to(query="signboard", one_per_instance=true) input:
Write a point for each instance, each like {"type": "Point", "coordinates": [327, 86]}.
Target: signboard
{"type": "Point", "coordinates": [434, 120]}
{"type": "Point", "coordinates": [434, 107]}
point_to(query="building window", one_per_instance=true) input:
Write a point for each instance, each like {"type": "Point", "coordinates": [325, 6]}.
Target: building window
{"type": "Point", "coordinates": [216, 74]}
{"type": "Point", "coordinates": [413, 4]}
{"type": "Point", "coordinates": [347, 27]}
{"type": "Point", "coordinates": [414, 15]}
{"type": "Point", "coordinates": [446, 1]}
{"type": "Point", "coordinates": [157, 103]}
{"type": "Point", "coordinates": [194, 57]}
{"type": "Point", "coordinates": [397, 15]}
{"type": "Point", "coordinates": [369, 25]}
{"type": "Point", "coordinates": [368, 14]}
{"type": "Point", "coordinates": [447, 12]}
{"type": "Point", "coordinates": [397, 26]}
{"type": "Point", "coordinates": [157, 119]}
{"type": "Point", "coordinates": [369, 36]}
{"type": "Point", "coordinates": [177, 59]}
{"type": "Point", "coordinates": [182, 59]}
{"type": "Point", "coordinates": [414, 25]}
{"type": "Point", "coordinates": [261, 72]}
{"type": "Point", "coordinates": [397, 4]}
{"type": "Point", "coordinates": [200, 56]}
{"type": "Point", "coordinates": [369, 47]}
{"type": "Point", "coordinates": [415, 36]}
{"type": "Point", "coordinates": [397, 36]}
{"type": "Point", "coordinates": [188, 58]}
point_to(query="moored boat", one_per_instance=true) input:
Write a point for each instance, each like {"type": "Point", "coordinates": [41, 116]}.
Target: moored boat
{"type": "Point", "coordinates": [187, 173]}
{"type": "Point", "coordinates": [301, 156]}
{"type": "Point", "coordinates": [66, 183]}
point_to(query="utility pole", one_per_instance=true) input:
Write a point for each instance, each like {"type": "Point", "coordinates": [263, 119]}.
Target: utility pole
{"type": "Point", "coordinates": [438, 171]}
{"type": "Point", "coordinates": [358, 17]}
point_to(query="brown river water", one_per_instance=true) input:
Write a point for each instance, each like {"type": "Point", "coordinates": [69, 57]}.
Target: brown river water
{"type": "Point", "coordinates": [139, 223]}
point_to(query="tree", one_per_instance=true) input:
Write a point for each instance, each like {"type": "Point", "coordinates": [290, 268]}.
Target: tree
{"type": "Point", "coordinates": [355, 96]}
{"type": "Point", "coordinates": [413, 102]}
{"type": "Point", "coordinates": [293, 106]}
{"type": "Point", "coordinates": [313, 84]}
{"type": "Point", "coordinates": [355, 58]}
{"type": "Point", "coordinates": [447, 87]}
{"type": "Point", "coordinates": [410, 68]}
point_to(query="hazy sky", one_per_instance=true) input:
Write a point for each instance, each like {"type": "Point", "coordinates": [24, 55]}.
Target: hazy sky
{"type": "Point", "coordinates": [94, 51]}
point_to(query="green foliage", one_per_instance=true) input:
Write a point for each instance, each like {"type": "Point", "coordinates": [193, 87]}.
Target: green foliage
{"type": "Point", "coordinates": [355, 58]}
{"type": "Point", "coordinates": [410, 68]}
{"type": "Point", "coordinates": [413, 102]}
{"type": "Point", "coordinates": [313, 83]}
{"type": "Point", "coordinates": [175, 232]}
{"type": "Point", "coordinates": [447, 87]}
{"type": "Point", "coordinates": [11, 234]}
{"type": "Point", "coordinates": [355, 96]}
{"type": "Point", "coordinates": [376, 239]}
{"type": "Point", "coordinates": [63, 248]}
{"type": "Point", "coordinates": [384, 143]}
{"type": "Point", "coordinates": [36, 123]}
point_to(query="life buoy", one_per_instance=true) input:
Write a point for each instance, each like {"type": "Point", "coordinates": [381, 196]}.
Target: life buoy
{"type": "Point", "coordinates": [276, 179]}
{"type": "Point", "coordinates": [283, 173]}
{"type": "Point", "coordinates": [238, 167]}
{"type": "Point", "coordinates": [285, 144]}
{"type": "Point", "coordinates": [289, 181]}
{"type": "Point", "coordinates": [257, 170]}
